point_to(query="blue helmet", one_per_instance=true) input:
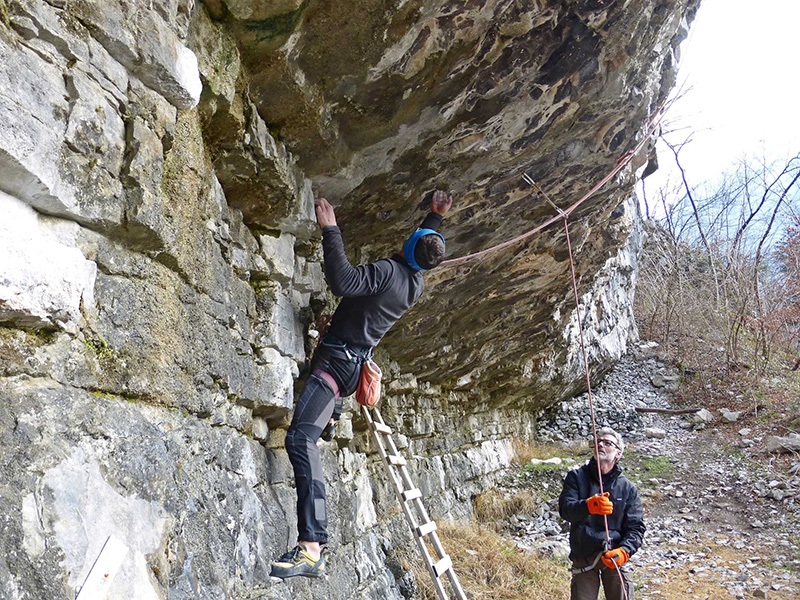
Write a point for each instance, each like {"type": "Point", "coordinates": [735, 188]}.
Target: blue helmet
{"type": "Point", "coordinates": [411, 245]}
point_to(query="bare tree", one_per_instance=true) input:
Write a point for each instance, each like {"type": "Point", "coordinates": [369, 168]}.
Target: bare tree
{"type": "Point", "coordinates": [702, 281]}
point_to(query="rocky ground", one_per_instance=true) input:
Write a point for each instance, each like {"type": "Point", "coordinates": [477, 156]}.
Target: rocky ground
{"type": "Point", "coordinates": [722, 513]}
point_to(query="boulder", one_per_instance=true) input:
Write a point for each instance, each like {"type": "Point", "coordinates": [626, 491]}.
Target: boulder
{"type": "Point", "coordinates": [655, 433]}
{"type": "Point", "coordinates": [782, 445]}
{"type": "Point", "coordinates": [701, 417]}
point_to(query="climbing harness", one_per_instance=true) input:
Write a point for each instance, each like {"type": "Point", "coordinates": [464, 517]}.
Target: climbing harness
{"type": "Point", "coordinates": [587, 568]}
{"type": "Point", "coordinates": [410, 497]}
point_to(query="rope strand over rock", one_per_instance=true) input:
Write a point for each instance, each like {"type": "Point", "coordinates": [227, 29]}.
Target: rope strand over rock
{"type": "Point", "coordinates": [622, 162]}
{"type": "Point", "coordinates": [565, 217]}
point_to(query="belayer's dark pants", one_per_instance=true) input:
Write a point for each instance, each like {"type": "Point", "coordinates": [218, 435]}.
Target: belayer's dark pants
{"type": "Point", "coordinates": [312, 413]}
{"type": "Point", "coordinates": [586, 586]}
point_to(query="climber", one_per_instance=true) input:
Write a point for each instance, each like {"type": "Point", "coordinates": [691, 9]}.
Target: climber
{"type": "Point", "coordinates": [374, 297]}
{"type": "Point", "coordinates": [596, 558]}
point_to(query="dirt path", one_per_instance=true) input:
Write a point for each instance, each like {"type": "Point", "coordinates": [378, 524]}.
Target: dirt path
{"type": "Point", "coordinates": [710, 533]}
{"type": "Point", "coordinates": [722, 521]}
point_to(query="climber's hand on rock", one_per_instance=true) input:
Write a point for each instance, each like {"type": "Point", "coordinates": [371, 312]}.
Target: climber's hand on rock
{"type": "Point", "coordinates": [441, 202]}
{"type": "Point", "coordinates": [325, 215]}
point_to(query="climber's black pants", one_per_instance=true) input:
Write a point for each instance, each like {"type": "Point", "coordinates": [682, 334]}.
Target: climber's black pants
{"type": "Point", "coordinates": [313, 411]}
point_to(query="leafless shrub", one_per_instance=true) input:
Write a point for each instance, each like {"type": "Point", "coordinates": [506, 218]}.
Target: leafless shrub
{"type": "Point", "coordinates": [711, 286]}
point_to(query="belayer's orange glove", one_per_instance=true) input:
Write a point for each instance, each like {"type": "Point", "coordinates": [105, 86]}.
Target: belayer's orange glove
{"type": "Point", "coordinates": [599, 504]}
{"type": "Point", "coordinates": [618, 555]}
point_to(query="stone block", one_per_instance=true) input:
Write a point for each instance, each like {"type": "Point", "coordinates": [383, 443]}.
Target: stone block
{"type": "Point", "coordinates": [270, 389]}
{"type": "Point", "coordinates": [655, 433]}
{"type": "Point", "coordinates": [44, 277]}
{"type": "Point", "coordinates": [278, 252]}
{"type": "Point", "coordinates": [730, 416]}
{"type": "Point", "coordinates": [95, 128]}
{"type": "Point", "coordinates": [278, 323]}
{"type": "Point", "coordinates": [217, 57]}
{"type": "Point", "coordinates": [33, 106]}
{"type": "Point", "coordinates": [276, 439]}
{"type": "Point", "coordinates": [344, 428]}
{"type": "Point", "coordinates": [88, 510]}
{"type": "Point", "coordinates": [308, 276]}
{"type": "Point", "coordinates": [702, 417]}
{"type": "Point", "coordinates": [782, 444]}
{"type": "Point", "coordinates": [260, 429]}
{"type": "Point", "coordinates": [405, 382]}
{"type": "Point", "coordinates": [140, 39]}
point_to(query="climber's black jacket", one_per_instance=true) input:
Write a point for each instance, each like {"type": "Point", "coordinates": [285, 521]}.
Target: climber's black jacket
{"type": "Point", "coordinates": [374, 296]}
{"type": "Point", "coordinates": [587, 532]}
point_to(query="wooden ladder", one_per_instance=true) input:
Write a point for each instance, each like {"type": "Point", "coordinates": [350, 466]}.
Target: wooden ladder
{"type": "Point", "coordinates": [410, 498]}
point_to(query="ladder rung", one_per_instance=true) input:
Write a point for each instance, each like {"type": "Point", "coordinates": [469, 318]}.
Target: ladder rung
{"type": "Point", "coordinates": [411, 494]}
{"type": "Point", "coordinates": [443, 565]}
{"type": "Point", "coordinates": [426, 528]}
{"type": "Point", "coordinates": [381, 428]}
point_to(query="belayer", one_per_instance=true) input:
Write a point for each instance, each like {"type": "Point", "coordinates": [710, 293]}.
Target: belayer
{"type": "Point", "coordinates": [605, 529]}
{"type": "Point", "coordinates": [374, 297]}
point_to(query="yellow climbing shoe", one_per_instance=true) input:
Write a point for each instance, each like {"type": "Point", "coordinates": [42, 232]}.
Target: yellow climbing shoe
{"type": "Point", "coordinates": [298, 563]}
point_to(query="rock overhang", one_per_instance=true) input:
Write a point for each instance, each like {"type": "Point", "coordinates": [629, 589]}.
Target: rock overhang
{"type": "Point", "coordinates": [380, 103]}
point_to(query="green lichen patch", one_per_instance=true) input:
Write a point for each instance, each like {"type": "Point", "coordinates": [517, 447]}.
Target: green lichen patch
{"type": "Point", "coordinates": [5, 13]}
{"type": "Point", "coordinates": [98, 346]}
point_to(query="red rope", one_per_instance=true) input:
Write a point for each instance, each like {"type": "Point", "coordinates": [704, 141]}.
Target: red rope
{"type": "Point", "coordinates": [565, 217]}
{"type": "Point", "coordinates": [622, 162]}
{"type": "Point", "coordinates": [585, 367]}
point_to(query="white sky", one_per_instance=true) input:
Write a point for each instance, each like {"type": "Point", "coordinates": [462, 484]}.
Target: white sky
{"type": "Point", "coordinates": [740, 67]}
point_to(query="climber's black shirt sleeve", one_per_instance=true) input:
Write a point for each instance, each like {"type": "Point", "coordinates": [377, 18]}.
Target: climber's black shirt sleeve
{"type": "Point", "coordinates": [375, 295]}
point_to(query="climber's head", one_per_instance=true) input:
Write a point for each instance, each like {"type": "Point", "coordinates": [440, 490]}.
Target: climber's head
{"type": "Point", "coordinates": [424, 249]}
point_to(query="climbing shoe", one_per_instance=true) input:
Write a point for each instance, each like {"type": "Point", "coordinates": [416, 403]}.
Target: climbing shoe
{"type": "Point", "coordinates": [298, 563]}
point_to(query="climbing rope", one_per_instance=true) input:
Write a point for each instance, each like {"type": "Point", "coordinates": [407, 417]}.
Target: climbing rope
{"type": "Point", "coordinates": [621, 163]}
{"type": "Point", "coordinates": [565, 218]}
{"type": "Point", "coordinates": [591, 396]}
{"type": "Point", "coordinates": [563, 215]}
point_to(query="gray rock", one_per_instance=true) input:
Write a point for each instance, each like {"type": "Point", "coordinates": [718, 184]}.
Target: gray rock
{"type": "Point", "coordinates": [147, 45]}
{"type": "Point", "coordinates": [782, 445]}
{"type": "Point", "coordinates": [702, 417]}
{"type": "Point", "coordinates": [655, 433]}
{"type": "Point", "coordinates": [730, 416]}
{"type": "Point", "coordinates": [45, 277]}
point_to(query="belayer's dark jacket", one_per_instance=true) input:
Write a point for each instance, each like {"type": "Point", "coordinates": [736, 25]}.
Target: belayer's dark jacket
{"type": "Point", "coordinates": [374, 296]}
{"type": "Point", "coordinates": [587, 532]}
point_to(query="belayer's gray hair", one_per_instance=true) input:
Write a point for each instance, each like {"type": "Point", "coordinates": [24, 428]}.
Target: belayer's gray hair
{"type": "Point", "coordinates": [608, 431]}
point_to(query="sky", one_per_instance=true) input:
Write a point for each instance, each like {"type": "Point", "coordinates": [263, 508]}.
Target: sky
{"type": "Point", "coordinates": [741, 75]}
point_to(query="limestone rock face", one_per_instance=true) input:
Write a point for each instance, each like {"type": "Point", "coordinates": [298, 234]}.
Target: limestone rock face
{"type": "Point", "coordinates": [385, 102]}
{"type": "Point", "coordinates": [161, 285]}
